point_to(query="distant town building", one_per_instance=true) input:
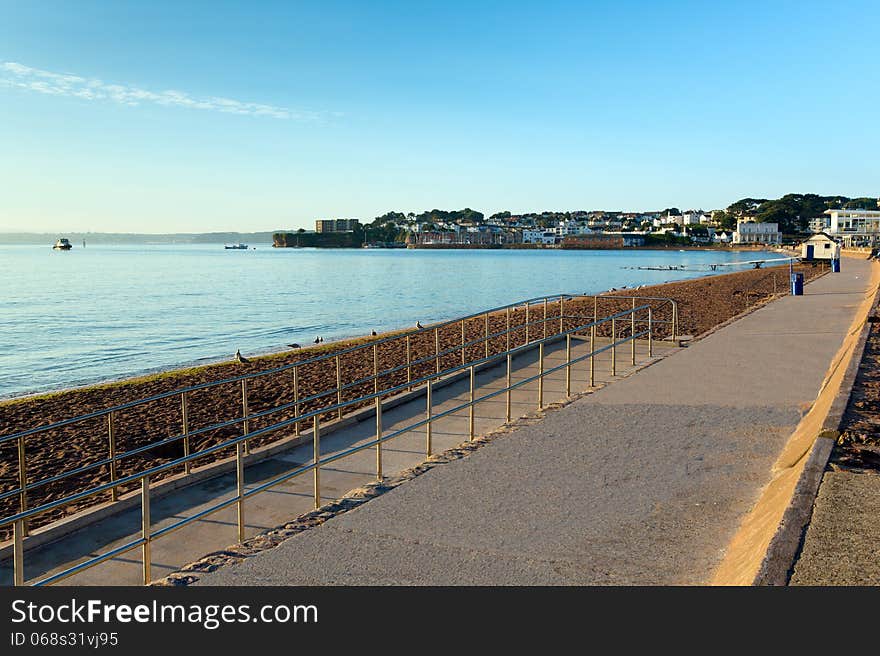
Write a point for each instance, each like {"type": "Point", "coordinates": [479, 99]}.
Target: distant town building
{"type": "Point", "coordinates": [612, 240]}
{"type": "Point", "coordinates": [539, 236]}
{"type": "Point", "coordinates": [855, 227]}
{"type": "Point", "coordinates": [749, 232]}
{"type": "Point", "coordinates": [693, 217]}
{"type": "Point", "coordinates": [336, 225]}
{"type": "Point", "coordinates": [820, 224]}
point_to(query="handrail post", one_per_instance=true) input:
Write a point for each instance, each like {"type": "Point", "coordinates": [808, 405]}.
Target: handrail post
{"type": "Point", "coordinates": [507, 331]}
{"type": "Point", "coordinates": [246, 412]}
{"type": "Point", "coordinates": [509, 390]}
{"type": "Point", "coordinates": [592, 355]}
{"type": "Point", "coordinates": [650, 333]}
{"type": "Point", "coordinates": [316, 450]}
{"type": "Point", "coordinates": [613, 347]}
{"type": "Point", "coordinates": [375, 368]}
{"type": "Point", "coordinates": [111, 438]}
{"type": "Point", "coordinates": [471, 407]}
{"type": "Point", "coordinates": [561, 327]}
{"type": "Point", "coordinates": [379, 438]}
{"type": "Point", "coordinates": [674, 320]}
{"type": "Point", "coordinates": [22, 482]}
{"type": "Point", "coordinates": [296, 399]}
{"type": "Point", "coordinates": [339, 386]}
{"type": "Point", "coordinates": [184, 415]}
{"type": "Point", "coordinates": [486, 324]}
{"type": "Point", "coordinates": [544, 322]}
{"type": "Point", "coordinates": [540, 375]}
{"type": "Point", "coordinates": [568, 365]}
{"type": "Point", "coordinates": [437, 348]}
{"type": "Point", "coordinates": [239, 485]}
{"type": "Point", "coordinates": [632, 334]}
{"type": "Point", "coordinates": [408, 362]}
{"type": "Point", "coordinates": [463, 355]}
{"type": "Point", "coordinates": [428, 413]}
{"type": "Point", "coordinates": [146, 556]}
{"type": "Point", "coordinates": [18, 530]}
{"type": "Point", "coordinates": [595, 308]}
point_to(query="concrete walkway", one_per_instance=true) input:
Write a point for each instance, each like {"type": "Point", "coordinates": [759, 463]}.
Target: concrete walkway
{"type": "Point", "coordinates": [295, 496]}
{"type": "Point", "coordinates": [644, 482]}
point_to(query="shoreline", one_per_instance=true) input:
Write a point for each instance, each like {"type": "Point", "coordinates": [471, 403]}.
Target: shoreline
{"type": "Point", "coordinates": [196, 367]}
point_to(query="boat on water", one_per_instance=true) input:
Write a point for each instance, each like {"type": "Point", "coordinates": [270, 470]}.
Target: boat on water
{"type": "Point", "coordinates": [236, 247]}
{"type": "Point", "coordinates": [62, 245]}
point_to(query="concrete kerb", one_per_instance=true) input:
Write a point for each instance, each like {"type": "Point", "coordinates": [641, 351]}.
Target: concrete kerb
{"type": "Point", "coordinates": [78, 521]}
{"type": "Point", "coordinates": [784, 506]}
{"type": "Point", "coordinates": [782, 552]}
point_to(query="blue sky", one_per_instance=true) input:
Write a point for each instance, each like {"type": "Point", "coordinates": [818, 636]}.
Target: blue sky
{"type": "Point", "coordinates": [199, 116]}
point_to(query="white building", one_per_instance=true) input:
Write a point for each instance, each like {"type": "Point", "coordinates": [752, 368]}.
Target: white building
{"type": "Point", "coordinates": [820, 224]}
{"type": "Point", "coordinates": [692, 217]}
{"type": "Point", "coordinates": [749, 232]}
{"type": "Point", "coordinates": [820, 247]}
{"type": "Point", "coordinates": [855, 227]}
{"type": "Point", "coordinates": [539, 236]}
{"type": "Point", "coordinates": [570, 227]}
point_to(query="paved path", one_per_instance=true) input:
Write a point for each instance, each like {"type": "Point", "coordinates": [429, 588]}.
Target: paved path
{"type": "Point", "coordinates": [643, 482]}
{"type": "Point", "coordinates": [295, 497]}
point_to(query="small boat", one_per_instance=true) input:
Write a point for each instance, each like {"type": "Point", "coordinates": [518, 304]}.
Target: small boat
{"type": "Point", "coordinates": [62, 245]}
{"type": "Point", "coordinates": [236, 247]}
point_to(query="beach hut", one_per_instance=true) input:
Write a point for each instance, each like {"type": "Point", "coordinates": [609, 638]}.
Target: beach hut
{"type": "Point", "coordinates": [820, 246]}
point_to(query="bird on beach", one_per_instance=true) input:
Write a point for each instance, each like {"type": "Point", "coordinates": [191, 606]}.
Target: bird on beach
{"type": "Point", "coordinates": [419, 325]}
{"type": "Point", "coordinates": [373, 333]}
{"type": "Point", "coordinates": [293, 346]}
{"type": "Point", "coordinates": [240, 357]}
{"type": "Point", "coordinates": [317, 340]}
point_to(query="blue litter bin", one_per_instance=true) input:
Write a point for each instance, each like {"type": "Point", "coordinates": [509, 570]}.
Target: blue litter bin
{"type": "Point", "coordinates": [797, 284]}
{"type": "Point", "coordinates": [835, 266]}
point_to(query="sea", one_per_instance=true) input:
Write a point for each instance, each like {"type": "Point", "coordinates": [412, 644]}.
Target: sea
{"type": "Point", "coordinates": [101, 313]}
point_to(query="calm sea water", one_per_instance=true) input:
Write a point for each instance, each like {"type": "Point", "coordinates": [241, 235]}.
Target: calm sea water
{"type": "Point", "coordinates": [105, 312]}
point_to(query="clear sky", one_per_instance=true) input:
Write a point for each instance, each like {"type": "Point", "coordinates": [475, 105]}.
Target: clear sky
{"type": "Point", "coordinates": [199, 116]}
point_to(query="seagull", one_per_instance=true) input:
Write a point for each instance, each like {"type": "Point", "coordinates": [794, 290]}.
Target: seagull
{"type": "Point", "coordinates": [293, 345]}
{"type": "Point", "coordinates": [241, 358]}
{"type": "Point", "coordinates": [373, 333]}
{"type": "Point", "coordinates": [317, 340]}
{"type": "Point", "coordinates": [419, 325]}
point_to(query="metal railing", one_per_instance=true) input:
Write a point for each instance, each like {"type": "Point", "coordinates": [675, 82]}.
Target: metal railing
{"type": "Point", "coordinates": [143, 477]}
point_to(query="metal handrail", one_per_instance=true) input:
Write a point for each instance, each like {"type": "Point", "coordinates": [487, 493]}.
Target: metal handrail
{"type": "Point", "coordinates": [119, 456]}
{"type": "Point", "coordinates": [104, 487]}
{"type": "Point", "coordinates": [148, 535]}
{"type": "Point", "coordinates": [115, 457]}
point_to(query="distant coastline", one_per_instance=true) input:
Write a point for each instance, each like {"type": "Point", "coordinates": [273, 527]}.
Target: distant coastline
{"type": "Point", "coordinates": [122, 238]}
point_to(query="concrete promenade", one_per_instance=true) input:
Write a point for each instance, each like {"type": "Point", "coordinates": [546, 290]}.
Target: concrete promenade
{"type": "Point", "coordinates": [294, 497]}
{"type": "Point", "coordinates": [643, 482]}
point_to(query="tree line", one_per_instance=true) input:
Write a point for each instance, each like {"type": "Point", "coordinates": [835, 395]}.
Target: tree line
{"type": "Point", "coordinates": [792, 212]}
